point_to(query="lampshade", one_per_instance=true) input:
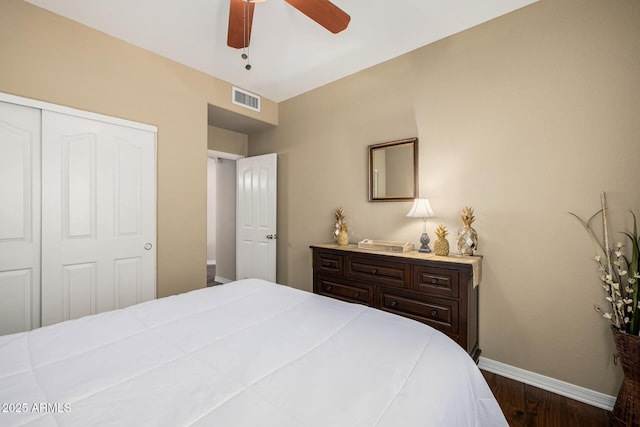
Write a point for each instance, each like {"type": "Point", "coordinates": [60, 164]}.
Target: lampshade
{"type": "Point", "coordinates": [421, 209]}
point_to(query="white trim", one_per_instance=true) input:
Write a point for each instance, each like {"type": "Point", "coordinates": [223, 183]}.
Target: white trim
{"type": "Point", "coordinates": [41, 105]}
{"type": "Point", "coordinates": [222, 155]}
{"type": "Point", "coordinates": [581, 394]}
{"type": "Point", "coordinates": [222, 280]}
{"type": "Point", "coordinates": [211, 262]}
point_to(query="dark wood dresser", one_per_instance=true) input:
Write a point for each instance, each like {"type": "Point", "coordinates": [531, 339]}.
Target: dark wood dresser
{"type": "Point", "coordinates": [439, 291]}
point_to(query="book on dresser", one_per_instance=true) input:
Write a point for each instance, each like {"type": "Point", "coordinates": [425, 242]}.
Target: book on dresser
{"type": "Point", "coordinates": [439, 291]}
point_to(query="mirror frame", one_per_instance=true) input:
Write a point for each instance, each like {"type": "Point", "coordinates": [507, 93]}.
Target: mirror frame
{"type": "Point", "coordinates": [372, 150]}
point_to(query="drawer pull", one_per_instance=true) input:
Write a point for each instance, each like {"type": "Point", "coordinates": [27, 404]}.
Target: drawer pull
{"type": "Point", "coordinates": [328, 287]}
{"type": "Point", "coordinates": [434, 280]}
{"type": "Point", "coordinates": [393, 303]}
{"type": "Point", "coordinates": [434, 312]}
{"type": "Point", "coordinates": [374, 271]}
{"type": "Point", "coordinates": [330, 264]}
{"type": "Point", "coordinates": [357, 294]}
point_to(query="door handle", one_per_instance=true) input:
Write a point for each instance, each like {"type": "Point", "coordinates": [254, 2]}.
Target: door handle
{"type": "Point", "coordinates": [272, 236]}
{"type": "Point", "coordinates": [148, 246]}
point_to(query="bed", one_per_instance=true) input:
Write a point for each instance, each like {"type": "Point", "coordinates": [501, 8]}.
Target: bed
{"type": "Point", "coordinates": [248, 353]}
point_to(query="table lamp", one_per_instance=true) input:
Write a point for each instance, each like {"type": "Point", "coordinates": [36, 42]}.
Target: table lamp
{"type": "Point", "coordinates": [422, 209]}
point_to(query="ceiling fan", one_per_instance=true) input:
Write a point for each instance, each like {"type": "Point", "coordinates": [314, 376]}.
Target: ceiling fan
{"type": "Point", "coordinates": [323, 12]}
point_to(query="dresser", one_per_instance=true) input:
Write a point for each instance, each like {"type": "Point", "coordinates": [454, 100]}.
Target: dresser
{"type": "Point", "coordinates": [439, 291]}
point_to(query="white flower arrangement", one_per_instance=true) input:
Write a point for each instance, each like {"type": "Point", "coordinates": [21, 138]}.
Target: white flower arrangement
{"type": "Point", "coordinates": [618, 274]}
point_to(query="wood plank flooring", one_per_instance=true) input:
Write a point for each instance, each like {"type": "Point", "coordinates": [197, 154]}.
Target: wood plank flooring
{"type": "Point", "coordinates": [525, 405]}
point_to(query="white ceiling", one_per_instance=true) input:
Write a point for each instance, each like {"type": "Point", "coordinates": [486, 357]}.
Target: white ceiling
{"type": "Point", "coordinates": [289, 53]}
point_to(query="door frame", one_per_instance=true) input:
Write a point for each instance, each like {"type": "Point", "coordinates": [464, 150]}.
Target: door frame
{"type": "Point", "coordinates": [28, 102]}
{"type": "Point", "coordinates": [224, 155]}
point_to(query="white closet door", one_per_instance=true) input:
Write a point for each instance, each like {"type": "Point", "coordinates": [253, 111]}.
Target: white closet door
{"type": "Point", "coordinates": [19, 218]}
{"type": "Point", "coordinates": [99, 221]}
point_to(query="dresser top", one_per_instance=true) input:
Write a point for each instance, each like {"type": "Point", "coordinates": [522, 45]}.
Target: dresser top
{"type": "Point", "coordinates": [474, 261]}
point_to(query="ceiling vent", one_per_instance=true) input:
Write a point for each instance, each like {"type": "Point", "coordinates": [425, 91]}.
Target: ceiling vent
{"type": "Point", "coordinates": [246, 99]}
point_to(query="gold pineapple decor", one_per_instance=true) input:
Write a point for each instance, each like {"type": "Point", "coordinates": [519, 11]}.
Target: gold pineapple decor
{"type": "Point", "coordinates": [441, 245]}
{"type": "Point", "coordinates": [467, 235]}
{"type": "Point", "coordinates": [340, 234]}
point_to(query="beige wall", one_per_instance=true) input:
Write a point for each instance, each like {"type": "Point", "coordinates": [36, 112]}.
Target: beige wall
{"type": "Point", "coordinates": [226, 220]}
{"type": "Point", "coordinates": [227, 141]}
{"type": "Point", "coordinates": [50, 58]}
{"type": "Point", "coordinates": [523, 118]}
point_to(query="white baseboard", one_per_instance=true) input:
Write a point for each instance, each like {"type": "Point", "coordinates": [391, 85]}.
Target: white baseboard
{"type": "Point", "coordinates": [581, 394]}
{"type": "Point", "coordinates": [222, 280]}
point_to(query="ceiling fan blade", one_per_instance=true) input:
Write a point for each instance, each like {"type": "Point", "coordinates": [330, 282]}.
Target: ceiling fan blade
{"type": "Point", "coordinates": [239, 34]}
{"type": "Point", "coordinates": [324, 13]}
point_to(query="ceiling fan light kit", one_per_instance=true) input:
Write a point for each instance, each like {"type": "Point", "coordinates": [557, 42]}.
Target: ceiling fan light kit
{"type": "Point", "coordinates": [322, 12]}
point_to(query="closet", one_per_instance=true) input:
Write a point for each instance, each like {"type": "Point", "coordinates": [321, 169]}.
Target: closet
{"type": "Point", "coordinates": [77, 213]}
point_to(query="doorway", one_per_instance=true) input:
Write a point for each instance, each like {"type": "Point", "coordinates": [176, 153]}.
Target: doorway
{"type": "Point", "coordinates": [227, 140]}
{"type": "Point", "coordinates": [221, 217]}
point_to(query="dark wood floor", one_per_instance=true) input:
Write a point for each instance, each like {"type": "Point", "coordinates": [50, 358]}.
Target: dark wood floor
{"type": "Point", "coordinates": [525, 405]}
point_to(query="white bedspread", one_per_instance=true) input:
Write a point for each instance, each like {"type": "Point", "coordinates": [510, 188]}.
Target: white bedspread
{"type": "Point", "coordinates": [248, 353]}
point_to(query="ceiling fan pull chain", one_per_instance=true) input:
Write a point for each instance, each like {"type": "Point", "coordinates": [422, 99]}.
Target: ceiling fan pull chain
{"type": "Point", "coordinates": [245, 31]}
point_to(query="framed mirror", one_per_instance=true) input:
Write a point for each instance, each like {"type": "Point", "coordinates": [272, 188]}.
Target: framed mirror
{"type": "Point", "coordinates": [393, 170]}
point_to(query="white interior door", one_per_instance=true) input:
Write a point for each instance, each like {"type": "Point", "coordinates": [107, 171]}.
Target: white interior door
{"type": "Point", "coordinates": [99, 230]}
{"type": "Point", "coordinates": [19, 218]}
{"type": "Point", "coordinates": [256, 197]}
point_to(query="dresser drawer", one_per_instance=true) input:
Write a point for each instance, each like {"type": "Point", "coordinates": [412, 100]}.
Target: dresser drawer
{"type": "Point", "coordinates": [387, 273]}
{"type": "Point", "coordinates": [435, 281]}
{"type": "Point", "coordinates": [437, 291]}
{"type": "Point", "coordinates": [331, 287]}
{"type": "Point", "coordinates": [440, 313]}
{"type": "Point", "coordinates": [328, 263]}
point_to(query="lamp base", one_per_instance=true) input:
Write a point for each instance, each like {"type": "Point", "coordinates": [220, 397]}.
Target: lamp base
{"type": "Point", "coordinates": [424, 240]}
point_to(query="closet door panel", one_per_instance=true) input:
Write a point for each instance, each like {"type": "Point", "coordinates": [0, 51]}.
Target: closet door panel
{"type": "Point", "coordinates": [128, 281]}
{"type": "Point", "coordinates": [106, 176]}
{"type": "Point", "coordinates": [15, 301]}
{"type": "Point", "coordinates": [78, 290]}
{"type": "Point", "coordinates": [19, 218]}
{"type": "Point", "coordinates": [78, 171]}
{"type": "Point", "coordinates": [134, 215]}
{"type": "Point", "coordinates": [128, 180]}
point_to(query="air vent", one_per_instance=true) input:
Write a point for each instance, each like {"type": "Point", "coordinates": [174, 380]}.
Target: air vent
{"type": "Point", "coordinates": [246, 99]}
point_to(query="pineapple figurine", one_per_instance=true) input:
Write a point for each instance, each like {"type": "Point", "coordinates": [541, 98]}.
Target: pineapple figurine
{"type": "Point", "coordinates": [441, 245]}
{"type": "Point", "coordinates": [467, 236]}
{"type": "Point", "coordinates": [340, 234]}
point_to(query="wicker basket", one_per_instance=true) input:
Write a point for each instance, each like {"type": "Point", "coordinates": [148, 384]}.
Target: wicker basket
{"type": "Point", "coordinates": [626, 411]}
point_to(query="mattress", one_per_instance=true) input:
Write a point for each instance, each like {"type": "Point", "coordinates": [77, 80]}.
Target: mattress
{"type": "Point", "coordinates": [247, 353]}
